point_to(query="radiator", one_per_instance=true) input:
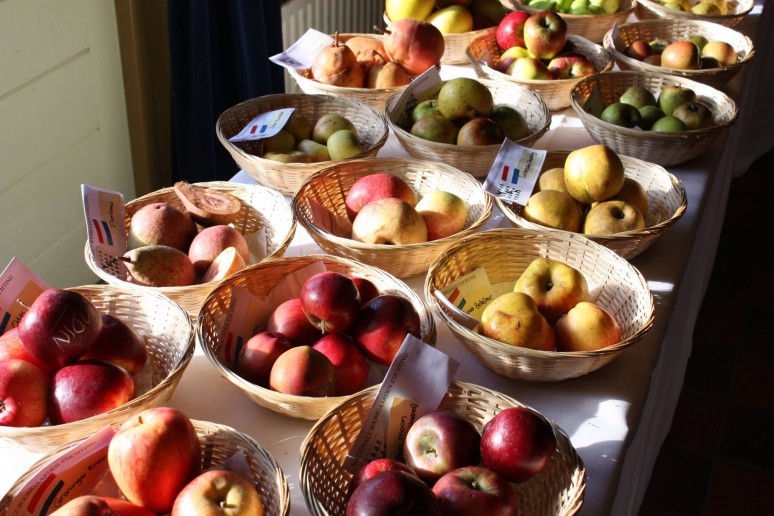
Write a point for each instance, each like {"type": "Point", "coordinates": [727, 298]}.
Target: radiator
{"type": "Point", "coordinates": [328, 16]}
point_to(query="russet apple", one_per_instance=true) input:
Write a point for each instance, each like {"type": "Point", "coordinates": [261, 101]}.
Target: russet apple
{"type": "Point", "coordinates": [681, 55]}
{"type": "Point", "coordinates": [382, 324]}
{"type": "Point", "coordinates": [257, 356]}
{"type": "Point", "coordinates": [555, 286]}
{"type": "Point", "coordinates": [23, 394]}
{"type": "Point", "coordinates": [587, 327]}
{"type": "Point", "coordinates": [593, 173]}
{"type": "Point", "coordinates": [517, 443]}
{"type": "Point", "coordinates": [554, 209]}
{"type": "Point", "coordinates": [545, 34]}
{"type": "Point", "coordinates": [87, 388]}
{"type": "Point", "coordinates": [153, 455]}
{"type": "Point", "coordinates": [377, 186]}
{"type": "Point", "coordinates": [218, 492]}
{"type": "Point", "coordinates": [510, 30]}
{"type": "Point", "coordinates": [12, 347]}
{"type": "Point", "coordinates": [303, 371]}
{"type": "Point", "coordinates": [476, 490]}
{"type": "Point", "coordinates": [60, 326]}
{"type": "Point", "coordinates": [390, 493]}
{"type": "Point", "coordinates": [389, 221]}
{"type": "Point", "coordinates": [439, 442]}
{"type": "Point", "coordinates": [611, 217]}
{"type": "Point", "coordinates": [513, 318]}
{"type": "Point", "coordinates": [348, 362]}
{"type": "Point", "coordinates": [289, 319]}
{"type": "Point", "coordinates": [374, 467]}
{"type": "Point", "coordinates": [445, 213]}
{"type": "Point", "coordinates": [120, 344]}
{"type": "Point", "coordinates": [330, 301]}
{"type": "Point", "coordinates": [96, 505]}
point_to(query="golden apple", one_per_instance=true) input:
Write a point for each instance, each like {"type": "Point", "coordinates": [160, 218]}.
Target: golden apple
{"type": "Point", "coordinates": [593, 173]}
{"type": "Point", "coordinates": [551, 179]}
{"type": "Point", "coordinates": [633, 193]}
{"type": "Point", "coordinates": [513, 318]}
{"type": "Point", "coordinates": [587, 327]}
{"type": "Point", "coordinates": [445, 213]}
{"type": "Point", "coordinates": [389, 221]}
{"type": "Point", "coordinates": [555, 286]}
{"type": "Point", "coordinates": [554, 209]}
{"type": "Point", "coordinates": [610, 217]}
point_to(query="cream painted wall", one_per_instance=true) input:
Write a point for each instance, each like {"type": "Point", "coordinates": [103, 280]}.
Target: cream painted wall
{"type": "Point", "coordinates": [62, 123]}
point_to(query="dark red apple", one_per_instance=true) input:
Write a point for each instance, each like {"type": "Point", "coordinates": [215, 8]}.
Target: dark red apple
{"type": "Point", "coordinates": [88, 388]}
{"type": "Point", "coordinates": [390, 493]}
{"type": "Point", "coordinates": [638, 49]}
{"type": "Point", "coordinates": [11, 347]}
{"type": "Point", "coordinates": [367, 289]}
{"type": "Point", "coordinates": [517, 443]}
{"type": "Point", "coordinates": [23, 393]}
{"type": "Point", "coordinates": [257, 356]}
{"type": "Point", "coordinates": [290, 320]}
{"type": "Point", "coordinates": [350, 365]}
{"type": "Point", "coordinates": [94, 505]}
{"type": "Point", "coordinates": [375, 467]}
{"type": "Point", "coordinates": [303, 371]}
{"type": "Point", "coordinates": [439, 442]}
{"type": "Point", "coordinates": [330, 301]}
{"type": "Point", "coordinates": [382, 325]}
{"type": "Point", "coordinates": [475, 490]}
{"type": "Point", "coordinates": [60, 326]}
{"type": "Point", "coordinates": [510, 30]}
{"type": "Point", "coordinates": [377, 186]}
{"type": "Point", "coordinates": [120, 344]}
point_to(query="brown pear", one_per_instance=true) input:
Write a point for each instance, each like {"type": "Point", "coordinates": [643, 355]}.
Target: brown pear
{"type": "Point", "coordinates": [387, 75]}
{"type": "Point", "coordinates": [415, 45]}
{"type": "Point", "coordinates": [160, 223]}
{"type": "Point", "coordinates": [337, 65]}
{"type": "Point", "coordinates": [368, 51]}
{"type": "Point", "coordinates": [206, 206]}
{"type": "Point", "coordinates": [159, 266]}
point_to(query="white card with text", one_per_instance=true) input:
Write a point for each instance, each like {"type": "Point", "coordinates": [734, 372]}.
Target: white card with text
{"type": "Point", "coordinates": [514, 172]}
{"type": "Point", "coordinates": [264, 125]}
{"type": "Point", "coordinates": [301, 54]}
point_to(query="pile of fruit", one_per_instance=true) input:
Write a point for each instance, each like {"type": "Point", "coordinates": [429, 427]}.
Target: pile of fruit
{"type": "Point", "coordinates": [464, 113]}
{"type": "Point", "coordinates": [693, 53]}
{"type": "Point", "coordinates": [319, 343]}
{"type": "Point", "coordinates": [330, 137]}
{"type": "Point", "coordinates": [155, 460]}
{"type": "Point", "coordinates": [65, 362]}
{"type": "Point", "coordinates": [448, 16]}
{"type": "Point", "coordinates": [384, 209]}
{"type": "Point", "coordinates": [535, 47]}
{"type": "Point", "coordinates": [676, 109]}
{"type": "Point", "coordinates": [166, 247]}
{"type": "Point", "coordinates": [550, 309]}
{"type": "Point", "coordinates": [577, 7]}
{"type": "Point", "coordinates": [702, 7]}
{"type": "Point", "coordinates": [448, 467]}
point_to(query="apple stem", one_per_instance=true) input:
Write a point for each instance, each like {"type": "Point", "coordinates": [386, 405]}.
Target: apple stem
{"type": "Point", "coordinates": [381, 30]}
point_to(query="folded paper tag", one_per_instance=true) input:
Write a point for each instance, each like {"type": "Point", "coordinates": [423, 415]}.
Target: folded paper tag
{"type": "Point", "coordinates": [105, 228]}
{"type": "Point", "coordinates": [301, 54]}
{"type": "Point", "coordinates": [514, 172]}
{"type": "Point", "coordinates": [264, 125]}
{"type": "Point", "coordinates": [407, 393]}
{"type": "Point", "coordinates": [329, 221]}
{"type": "Point", "coordinates": [467, 296]}
{"type": "Point", "coordinates": [19, 287]}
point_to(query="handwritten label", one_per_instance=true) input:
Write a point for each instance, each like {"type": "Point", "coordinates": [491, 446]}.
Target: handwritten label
{"type": "Point", "coordinates": [514, 172]}
{"type": "Point", "coordinates": [19, 287]}
{"type": "Point", "coordinates": [264, 125]}
{"type": "Point", "coordinates": [301, 54]}
{"type": "Point", "coordinates": [469, 295]}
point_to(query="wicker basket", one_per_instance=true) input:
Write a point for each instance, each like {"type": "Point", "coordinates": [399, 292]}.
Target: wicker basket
{"type": "Point", "coordinates": [673, 30]}
{"type": "Point", "coordinates": [651, 9]}
{"type": "Point", "coordinates": [663, 148]}
{"type": "Point", "coordinates": [329, 187]}
{"type": "Point", "coordinates": [591, 27]}
{"type": "Point", "coordinates": [169, 338]}
{"type": "Point", "coordinates": [218, 443]}
{"type": "Point", "coordinates": [505, 253]}
{"type": "Point", "coordinates": [484, 54]}
{"type": "Point", "coordinates": [476, 160]}
{"type": "Point", "coordinates": [262, 208]}
{"type": "Point", "coordinates": [286, 177]}
{"type": "Point", "coordinates": [667, 202]}
{"type": "Point", "coordinates": [259, 280]}
{"type": "Point", "coordinates": [558, 489]}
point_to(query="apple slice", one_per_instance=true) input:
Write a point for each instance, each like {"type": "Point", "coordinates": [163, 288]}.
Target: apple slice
{"type": "Point", "coordinates": [206, 206]}
{"type": "Point", "coordinates": [224, 265]}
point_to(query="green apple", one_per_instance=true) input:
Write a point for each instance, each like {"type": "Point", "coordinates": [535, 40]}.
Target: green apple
{"type": "Point", "coordinates": [609, 6]}
{"type": "Point", "coordinates": [343, 144]}
{"type": "Point", "coordinates": [638, 96]}
{"type": "Point", "coordinates": [464, 98]}
{"type": "Point", "coordinates": [649, 115]}
{"type": "Point", "coordinates": [669, 124]}
{"type": "Point", "coordinates": [435, 128]}
{"type": "Point", "coordinates": [529, 69]}
{"type": "Point", "coordinates": [621, 114]}
{"type": "Point", "coordinates": [511, 121]}
{"type": "Point", "coordinates": [424, 108]}
{"type": "Point", "coordinates": [694, 115]}
{"type": "Point", "coordinates": [672, 96]}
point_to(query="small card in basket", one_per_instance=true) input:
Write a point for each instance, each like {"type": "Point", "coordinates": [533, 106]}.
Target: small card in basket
{"type": "Point", "coordinates": [514, 172]}
{"type": "Point", "coordinates": [300, 55]}
{"type": "Point", "coordinates": [467, 297]}
{"type": "Point", "coordinates": [19, 287]}
{"type": "Point", "coordinates": [104, 211]}
{"type": "Point", "coordinates": [423, 87]}
{"type": "Point", "coordinates": [264, 125]}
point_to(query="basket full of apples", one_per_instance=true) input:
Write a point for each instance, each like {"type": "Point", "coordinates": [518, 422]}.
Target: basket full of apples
{"type": "Point", "coordinates": [158, 461]}
{"type": "Point", "coordinates": [88, 357]}
{"type": "Point", "coordinates": [724, 12]}
{"type": "Point", "coordinates": [538, 52]}
{"type": "Point", "coordinates": [698, 50]}
{"type": "Point", "coordinates": [473, 468]}
{"type": "Point", "coordinates": [396, 214]}
{"type": "Point", "coordinates": [313, 330]}
{"type": "Point", "coordinates": [520, 327]}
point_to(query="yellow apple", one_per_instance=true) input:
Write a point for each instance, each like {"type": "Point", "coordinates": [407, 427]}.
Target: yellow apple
{"type": "Point", "coordinates": [633, 193]}
{"type": "Point", "coordinates": [445, 213]}
{"type": "Point", "coordinates": [454, 19]}
{"type": "Point", "coordinates": [513, 318]}
{"type": "Point", "coordinates": [555, 286]}
{"type": "Point", "coordinates": [551, 179]}
{"type": "Point", "coordinates": [593, 173]}
{"type": "Point", "coordinates": [413, 9]}
{"type": "Point", "coordinates": [554, 209]}
{"type": "Point", "coordinates": [587, 327]}
{"type": "Point", "coordinates": [389, 221]}
{"type": "Point", "coordinates": [723, 52]}
{"type": "Point", "coordinates": [610, 217]}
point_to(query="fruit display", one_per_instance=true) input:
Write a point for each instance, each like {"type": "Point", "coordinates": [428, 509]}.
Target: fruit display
{"type": "Point", "coordinates": [693, 53]}
{"type": "Point", "coordinates": [724, 12]}
{"type": "Point", "coordinates": [577, 7]}
{"type": "Point", "coordinates": [448, 16]}
{"type": "Point", "coordinates": [702, 7]}
{"type": "Point", "coordinates": [330, 137]}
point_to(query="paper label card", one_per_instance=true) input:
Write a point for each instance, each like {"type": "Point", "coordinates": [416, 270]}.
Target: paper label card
{"type": "Point", "coordinates": [300, 55]}
{"type": "Point", "coordinates": [514, 172]}
{"type": "Point", "coordinates": [468, 295]}
{"type": "Point", "coordinates": [264, 125]}
{"type": "Point", "coordinates": [104, 211]}
{"type": "Point", "coordinates": [423, 87]}
{"type": "Point", "coordinates": [19, 287]}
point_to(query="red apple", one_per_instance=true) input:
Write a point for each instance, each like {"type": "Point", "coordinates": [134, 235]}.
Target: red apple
{"type": "Point", "coordinates": [257, 356]}
{"type": "Point", "coordinates": [517, 443]}
{"type": "Point", "coordinates": [153, 455]}
{"type": "Point", "coordinates": [60, 326]}
{"type": "Point", "coordinates": [571, 66]}
{"type": "Point", "coordinates": [510, 30]}
{"type": "Point", "coordinates": [23, 393]}
{"type": "Point", "coordinates": [390, 493]}
{"type": "Point", "coordinates": [375, 467]}
{"type": "Point", "coordinates": [377, 186]}
{"type": "Point", "coordinates": [475, 490]}
{"type": "Point", "coordinates": [330, 301]}
{"type": "Point", "coordinates": [87, 388]}
{"type": "Point", "coordinates": [120, 344]}
{"type": "Point", "coordinates": [350, 365]}
{"type": "Point", "coordinates": [218, 492]}
{"type": "Point", "coordinates": [303, 371]}
{"type": "Point", "coordinates": [12, 347]}
{"type": "Point", "coordinates": [545, 34]}
{"type": "Point", "coordinates": [681, 55]}
{"type": "Point", "coordinates": [290, 320]}
{"type": "Point", "coordinates": [639, 49]}
{"type": "Point", "coordinates": [94, 505]}
{"type": "Point", "coordinates": [439, 442]}
{"type": "Point", "coordinates": [366, 288]}
{"type": "Point", "coordinates": [381, 327]}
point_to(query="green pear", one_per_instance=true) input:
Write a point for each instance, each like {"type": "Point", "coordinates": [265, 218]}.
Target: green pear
{"type": "Point", "coordinates": [316, 151]}
{"type": "Point", "coordinates": [343, 144]}
{"type": "Point", "coordinates": [328, 124]}
{"type": "Point", "coordinates": [159, 266]}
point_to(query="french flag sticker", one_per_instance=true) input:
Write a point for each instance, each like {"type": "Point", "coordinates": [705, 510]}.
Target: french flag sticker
{"type": "Point", "coordinates": [36, 498]}
{"type": "Point", "coordinates": [455, 296]}
{"type": "Point", "coordinates": [103, 231]}
{"type": "Point", "coordinates": [509, 175]}
{"type": "Point", "coordinates": [233, 346]}
{"type": "Point", "coordinates": [258, 129]}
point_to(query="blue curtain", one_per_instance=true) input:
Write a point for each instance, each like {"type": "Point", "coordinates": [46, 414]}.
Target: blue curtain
{"type": "Point", "coordinates": [219, 52]}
